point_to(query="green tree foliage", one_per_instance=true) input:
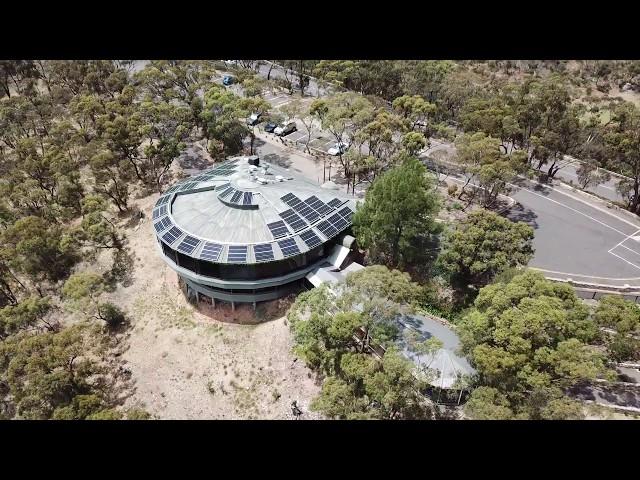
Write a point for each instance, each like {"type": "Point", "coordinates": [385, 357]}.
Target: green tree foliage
{"type": "Point", "coordinates": [49, 375]}
{"type": "Point", "coordinates": [528, 340]}
{"type": "Point", "coordinates": [333, 332]}
{"type": "Point", "coordinates": [39, 249]}
{"type": "Point", "coordinates": [83, 291]}
{"type": "Point", "coordinates": [96, 229]}
{"type": "Point", "coordinates": [221, 116]}
{"type": "Point", "coordinates": [486, 166]}
{"type": "Point", "coordinates": [397, 219]}
{"type": "Point", "coordinates": [30, 313]}
{"type": "Point", "coordinates": [621, 320]}
{"type": "Point", "coordinates": [622, 140]}
{"type": "Point", "coordinates": [483, 245]}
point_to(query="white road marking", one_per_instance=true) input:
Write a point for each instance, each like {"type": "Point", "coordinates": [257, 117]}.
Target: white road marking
{"type": "Point", "coordinates": [631, 250]}
{"type": "Point", "coordinates": [582, 275]}
{"type": "Point", "coordinates": [577, 200]}
{"type": "Point", "coordinates": [624, 260]}
{"type": "Point", "coordinates": [627, 238]}
{"type": "Point", "coordinates": [574, 210]}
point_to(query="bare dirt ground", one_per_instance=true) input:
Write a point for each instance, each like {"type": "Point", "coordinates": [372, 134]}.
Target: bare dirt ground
{"type": "Point", "coordinates": [185, 364]}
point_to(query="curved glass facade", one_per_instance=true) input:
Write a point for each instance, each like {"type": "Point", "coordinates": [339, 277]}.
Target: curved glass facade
{"type": "Point", "coordinates": [254, 271]}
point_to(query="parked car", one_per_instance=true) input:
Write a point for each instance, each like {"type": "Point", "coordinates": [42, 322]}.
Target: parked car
{"type": "Point", "coordinates": [228, 80]}
{"type": "Point", "coordinates": [254, 119]}
{"type": "Point", "coordinates": [285, 129]}
{"type": "Point", "coordinates": [269, 127]}
{"type": "Point", "coordinates": [338, 149]}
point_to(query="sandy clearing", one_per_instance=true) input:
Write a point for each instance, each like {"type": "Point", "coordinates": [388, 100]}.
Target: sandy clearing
{"type": "Point", "coordinates": [187, 365]}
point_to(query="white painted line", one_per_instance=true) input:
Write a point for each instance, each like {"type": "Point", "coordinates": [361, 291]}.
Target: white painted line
{"type": "Point", "coordinates": [578, 200]}
{"type": "Point", "coordinates": [582, 275]}
{"type": "Point", "coordinates": [631, 250]}
{"type": "Point", "coordinates": [624, 260]}
{"type": "Point", "coordinates": [574, 210]}
{"type": "Point", "coordinates": [628, 237]}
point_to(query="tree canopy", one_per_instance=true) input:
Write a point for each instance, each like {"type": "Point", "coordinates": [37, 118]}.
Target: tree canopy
{"type": "Point", "coordinates": [396, 222]}
{"type": "Point", "coordinates": [528, 340]}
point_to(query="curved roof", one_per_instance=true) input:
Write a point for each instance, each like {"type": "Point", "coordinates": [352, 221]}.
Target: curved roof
{"type": "Point", "coordinates": [239, 213]}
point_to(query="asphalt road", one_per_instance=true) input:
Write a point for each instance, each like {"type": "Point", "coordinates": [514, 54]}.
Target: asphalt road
{"type": "Point", "coordinates": [577, 240]}
{"type": "Point", "coordinates": [606, 189]}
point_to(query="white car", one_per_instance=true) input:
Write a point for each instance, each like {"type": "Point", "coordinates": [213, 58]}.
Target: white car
{"type": "Point", "coordinates": [285, 129]}
{"type": "Point", "coordinates": [338, 149]}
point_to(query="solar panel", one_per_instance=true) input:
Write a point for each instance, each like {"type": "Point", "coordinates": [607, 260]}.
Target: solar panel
{"type": "Point", "coordinates": [237, 254]}
{"type": "Point", "coordinates": [288, 197]}
{"type": "Point", "coordinates": [188, 244]}
{"type": "Point", "coordinates": [278, 229]}
{"type": "Point", "coordinates": [173, 189]}
{"type": "Point", "coordinates": [293, 220]}
{"type": "Point", "coordinates": [171, 235]}
{"type": "Point", "coordinates": [347, 213]}
{"type": "Point", "coordinates": [327, 229]}
{"type": "Point", "coordinates": [222, 187]}
{"type": "Point", "coordinates": [288, 247]}
{"type": "Point", "coordinates": [188, 186]}
{"type": "Point", "coordinates": [236, 196]}
{"type": "Point", "coordinates": [318, 205]}
{"type": "Point", "coordinates": [162, 224]}
{"type": "Point", "coordinates": [310, 238]}
{"type": "Point", "coordinates": [338, 222]}
{"type": "Point", "coordinates": [263, 252]}
{"type": "Point", "coordinates": [227, 192]}
{"type": "Point", "coordinates": [163, 200]}
{"type": "Point", "coordinates": [336, 202]}
{"type": "Point", "coordinates": [159, 212]}
{"type": "Point", "coordinates": [248, 198]}
{"type": "Point", "coordinates": [307, 212]}
{"type": "Point", "coordinates": [211, 251]}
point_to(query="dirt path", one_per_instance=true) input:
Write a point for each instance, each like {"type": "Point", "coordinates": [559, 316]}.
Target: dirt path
{"type": "Point", "coordinates": [188, 366]}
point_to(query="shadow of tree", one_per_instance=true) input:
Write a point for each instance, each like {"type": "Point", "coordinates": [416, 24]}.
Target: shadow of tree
{"type": "Point", "coordinates": [519, 213]}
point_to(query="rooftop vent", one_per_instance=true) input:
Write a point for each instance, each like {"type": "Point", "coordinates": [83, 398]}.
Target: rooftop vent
{"type": "Point", "coordinates": [254, 160]}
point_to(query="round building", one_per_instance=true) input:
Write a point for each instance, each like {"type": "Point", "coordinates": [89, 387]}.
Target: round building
{"type": "Point", "coordinates": [245, 232]}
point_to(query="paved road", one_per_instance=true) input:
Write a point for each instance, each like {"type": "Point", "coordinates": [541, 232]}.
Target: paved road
{"type": "Point", "coordinates": [606, 190]}
{"type": "Point", "coordinates": [574, 239]}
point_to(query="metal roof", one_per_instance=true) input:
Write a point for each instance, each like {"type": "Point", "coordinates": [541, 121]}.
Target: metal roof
{"type": "Point", "coordinates": [235, 204]}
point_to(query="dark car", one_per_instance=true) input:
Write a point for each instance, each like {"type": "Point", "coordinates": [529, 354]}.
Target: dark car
{"type": "Point", "coordinates": [269, 127]}
{"type": "Point", "coordinates": [228, 80]}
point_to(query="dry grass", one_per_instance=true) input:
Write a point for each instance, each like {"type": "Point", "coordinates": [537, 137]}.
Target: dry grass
{"type": "Point", "coordinates": [188, 365]}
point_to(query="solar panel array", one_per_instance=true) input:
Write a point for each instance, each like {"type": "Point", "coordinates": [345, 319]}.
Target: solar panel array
{"type": "Point", "coordinates": [318, 205]}
{"type": "Point", "coordinates": [293, 220]}
{"type": "Point", "coordinates": [211, 251]}
{"type": "Point", "coordinates": [289, 247]}
{"type": "Point", "coordinates": [301, 208]}
{"type": "Point", "coordinates": [327, 229]}
{"type": "Point", "coordinates": [236, 196]}
{"type": "Point", "coordinates": [263, 252]}
{"type": "Point", "coordinates": [163, 200]}
{"type": "Point", "coordinates": [162, 224]}
{"type": "Point", "coordinates": [173, 189]}
{"type": "Point", "coordinates": [224, 186]}
{"type": "Point", "coordinates": [188, 186]}
{"type": "Point", "coordinates": [188, 244]}
{"type": "Point", "coordinates": [227, 192]}
{"type": "Point", "coordinates": [336, 202]}
{"type": "Point", "coordinates": [338, 222]}
{"type": "Point", "coordinates": [310, 238]}
{"type": "Point", "coordinates": [278, 229]}
{"type": "Point", "coordinates": [346, 213]}
{"type": "Point", "coordinates": [159, 212]}
{"type": "Point", "coordinates": [237, 254]}
{"type": "Point", "coordinates": [172, 235]}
